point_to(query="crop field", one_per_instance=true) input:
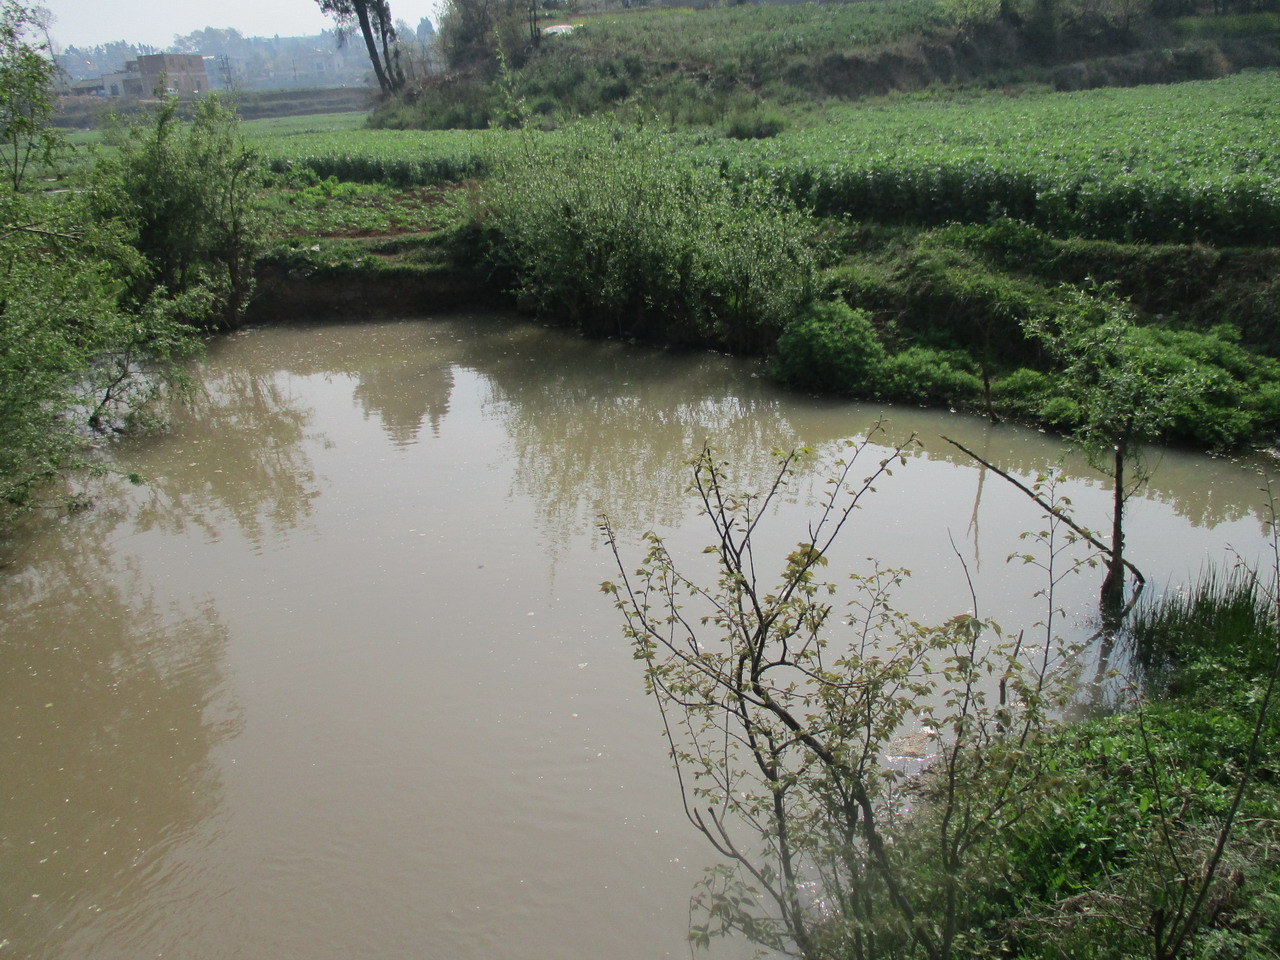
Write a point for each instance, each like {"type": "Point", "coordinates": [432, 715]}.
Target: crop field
{"type": "Point", "coordinates": [403, 158]}
{"type": "Point", "coordinates": [1177, 163]}
{"type": "Point", "coordinates": [752, 42]}
{"type": "Point", "coordinates": [271, 128]}
{"type": "Point", "coordinates": [1183, 162]}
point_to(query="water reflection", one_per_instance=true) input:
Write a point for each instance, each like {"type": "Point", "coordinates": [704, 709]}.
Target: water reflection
{"type": "Point", "coordinates": [340, 681]}
{"type": "Point", "coordinates": [404, 393]}
{"type": "Point", "coordinates": [112, 699]}
{"type": "Point", "coordinates": [246, 469]}
{"type": "Point", "coordinates": [597, 426]}
{"type": "Point", "coordinates": [593, 424]}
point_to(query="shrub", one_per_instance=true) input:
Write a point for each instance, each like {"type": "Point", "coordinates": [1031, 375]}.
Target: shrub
{"type": "Point", "coordinates": [1230, 397]}
{"type": "Point", "coordinates": [832, 348]}
{"type": "Point", "coordinates": [1023, 392]}
{"type": "Point", "coordinates": [970, 305]}
{"type": "Point", "coordinates": [75, 360]}
{"type": "Point", "coordinates": [756, 125]}
{"type": "Point", "coordinates": [186, 189]}
{"type": "Point", "coordinates": [923, 375]}
{"type": "Point", "coordinates": [1237, 399]}
{"type": "Point", "coordinates": [607, 228]}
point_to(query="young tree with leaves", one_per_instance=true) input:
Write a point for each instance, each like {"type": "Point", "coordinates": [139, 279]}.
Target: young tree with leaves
{"type": "Point", "coordinates": [26, 79]}
{"type": "Point", "coordinates": [101, 289]}
{"type": "Point", "coordinates": [186, 190]}
{"type": "Point", "coordinates": [1119, 391]}
{"type": "Point", "coordinates": [780, 725]}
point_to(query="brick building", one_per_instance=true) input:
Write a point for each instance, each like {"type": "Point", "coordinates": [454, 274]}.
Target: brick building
{"type": "Point", "coordinates": [169, 74]}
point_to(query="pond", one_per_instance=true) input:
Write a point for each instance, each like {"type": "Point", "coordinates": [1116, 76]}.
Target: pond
{"type": "Point", "coordinates": [339, 681]}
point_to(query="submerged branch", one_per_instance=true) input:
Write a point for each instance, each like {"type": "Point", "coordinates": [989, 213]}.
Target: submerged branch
{"type": "Point", "coordinates": [1057, 512]}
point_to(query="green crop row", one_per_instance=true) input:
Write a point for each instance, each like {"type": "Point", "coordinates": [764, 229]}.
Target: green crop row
{"type": "Point", "coordinates": [1179, 163]}
{"type": "Point", "coordinates": [1186, 162]}
{"type": "Point", "coordinates": [404, 158]}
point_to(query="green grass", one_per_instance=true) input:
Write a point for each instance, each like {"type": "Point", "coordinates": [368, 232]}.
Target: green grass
{"type": "Point", "coordinates": [1229, 25]}
{"type": "Point", "coordinates": [759, 47]}
{"type": "Point", "coordinates": [1210, 642]}
{"type": "Point", "coordinates": [332, 208]}
{"type": "Point", "coordinates": [754, 38]}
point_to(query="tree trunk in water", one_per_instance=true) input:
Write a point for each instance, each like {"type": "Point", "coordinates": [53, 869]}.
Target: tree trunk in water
{"type": "Point", "coordinates": [986, 392]}
{"type": "Point", "coordinates": [1112, 599]}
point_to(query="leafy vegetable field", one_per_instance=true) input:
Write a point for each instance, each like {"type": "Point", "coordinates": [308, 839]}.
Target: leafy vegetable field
{"type": "Point", "coordinates": [1176, 163]}
{"type": "Point", "coordinates": [404, 158]}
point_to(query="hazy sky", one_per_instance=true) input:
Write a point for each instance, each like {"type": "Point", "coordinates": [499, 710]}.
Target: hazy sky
{"type": "Point", "coordinates": [86, 22]}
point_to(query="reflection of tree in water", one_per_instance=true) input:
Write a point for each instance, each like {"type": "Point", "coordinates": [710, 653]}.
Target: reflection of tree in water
{"type": "Point", "coordinates": [1204, 495]}
{"type": "Point", "coordinates": [602, 426]}
{"type": "Point", "coordinates": [1203, 490]}
{"type": "Point", "coordinates": [605, 426]}
{"type": "Point", "coordinates": [594, 425]}
{"type": "Point", "coordinates": [111, 703]}
{"type": "Point", "coordinates": [238, 456]}
{"type": "Point", "coordinates": [402, 393]}
{"type": "Point", "coordinates": [403, 368]}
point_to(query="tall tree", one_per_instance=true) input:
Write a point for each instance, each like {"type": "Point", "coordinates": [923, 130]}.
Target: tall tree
{"type": "Point", "coordinates": [378, 30]}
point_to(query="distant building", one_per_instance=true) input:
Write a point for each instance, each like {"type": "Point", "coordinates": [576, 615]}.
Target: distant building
{"type": "Point", "coordinates": [171, 74]}
{"type": "Point", "coordinates": [92, 87]}
{"type": "Point", "coordinates": [250, 64]}
{"type": "Point", "coordinates": [153, 75]}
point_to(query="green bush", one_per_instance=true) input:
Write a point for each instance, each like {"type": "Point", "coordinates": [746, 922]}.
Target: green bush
{"type": "Point", "coordinates": [1238, 402]}
{"type": "Point", "coordinates": [832, 349]}
{"type": "Point", "coordinates": [923, 375]}
{"type": "Point", "coordinates": [187, 191]}
{"type": "Point", "coordinates": [607, 229]}
{"type": "Point", "coordinates": [961, 302]}
{"type": "Point", "coordinates": [462, 103]}
{"type": "Point", "coordinates": [77, 357]}
{"type": "Point", "coordinates": [1023, 393]}
{"type": "Point", "coordinates": [1234, 399]}
{"type": "Point", "coordinates": [755, 125]}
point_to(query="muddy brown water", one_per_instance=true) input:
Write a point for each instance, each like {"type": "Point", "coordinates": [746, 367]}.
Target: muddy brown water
{"type": "Point", "coordinates": [339, 682]}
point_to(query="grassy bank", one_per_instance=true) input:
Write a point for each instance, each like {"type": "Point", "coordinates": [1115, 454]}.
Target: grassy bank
{"type": "Point", "coordinates": [1156, 833]}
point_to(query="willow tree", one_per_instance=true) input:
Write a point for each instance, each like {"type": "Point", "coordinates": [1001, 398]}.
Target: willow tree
{"type": "Point", "coordinates": [373, 17]}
